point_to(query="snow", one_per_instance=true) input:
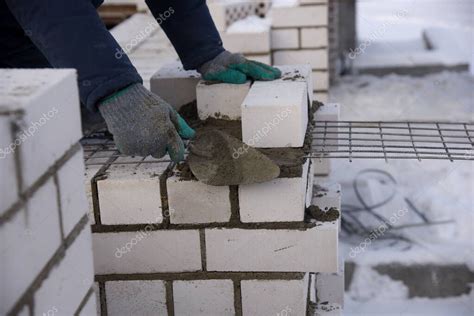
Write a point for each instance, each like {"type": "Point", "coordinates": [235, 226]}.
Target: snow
{"type": "Point", "coordinates": [251, 24]}
{"type": "Point", "coordinates": [440, 189]}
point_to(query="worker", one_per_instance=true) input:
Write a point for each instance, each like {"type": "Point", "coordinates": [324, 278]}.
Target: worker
{"type": "Point", "coordinates": [70, 34]}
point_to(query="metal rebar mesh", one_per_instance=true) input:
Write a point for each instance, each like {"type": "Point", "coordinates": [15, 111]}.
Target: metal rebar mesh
{"type": "Point", "coordinates": [393, 140]}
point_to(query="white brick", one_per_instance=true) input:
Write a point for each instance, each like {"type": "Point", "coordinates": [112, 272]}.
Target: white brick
{"type": "Point", "coordinates": [248, 42]}
{"type": "Point", "coordinates": [49, 99]}
{"type": "Point", "coordinates": [327, 195]}
{"type": "Point", "coordinates": [147, 251]}
{"type": "Point", "coordinates": [263, 58]}
{"type": "Point", "coordinates": [195, 202]}
{"type": "Point", "coordinates": [71, 187]}
{"type": "Point", "coordinates": [330, 287]}
{"type": "Point", "coordinates": [313, 1]}
{"type": "Point", "coordinates": [218, 14]}
{"type": "Point", "coordinates": [310, 250]}
{"type": "Point", "coordinates": [136, 297]}
{"type": "Point", "coordinates": [320, 80]}
{"type": "Point", "coordinates": [174, 84]}
{"type": "Point", "coordinates": [279, 200]}
{"type": "Point", "coordinates": [275, 114]}
{"type": "Point", "coordinates": [310, 184]}
{"type": "Point", "coordinates": [203, 297]}
{"type": "Point", "coordinates": [221, 100]}
{"type": "Point", "coordinates": [314, 37]}
{"type": "Point", "coordinates": [321, 96]}
{"type": "Point", "coordinates": [90, 308]}
{"type": "Point", "coordinates": [317, 58]}
{"type": "Point", "coordinates": [285, 38]}
{"type": "Point", "coordinates": [9, 184]}
{"type": "Point", "coordinates": [91, 171]}
{"type": "Point", "coordinates": [274, 297]}
{"type": "Point", "coordinates": [328, 112]}
{"type": "Point", "coordinates": [131, 194]}
{"type": "Point", "coordinates": [68, 282]}
{"type": "Point", "coordinates": [299, 16]}
{"type": "Point", "coordinates": [28, 240]}
{"type": "Point", "coordinates": [322, 166]}
{"type": "Point", "coordinates": [298, 73]}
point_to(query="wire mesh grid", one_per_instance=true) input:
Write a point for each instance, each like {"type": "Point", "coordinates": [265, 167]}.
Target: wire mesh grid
{"type": "Point", "coordinates": [393, 140]}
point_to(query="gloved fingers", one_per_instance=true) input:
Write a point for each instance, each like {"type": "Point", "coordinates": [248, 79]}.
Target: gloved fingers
{"type": "Point", "coordinates": [254, 71]}
{"type": "Point", "coordinates": [276, 72]}
{"type": "Point", "coordinates": [226, 75]}
{"type": "Point", "coordinates": [184, 130]}
{"type": "Point", "coordinates": [175, 146]}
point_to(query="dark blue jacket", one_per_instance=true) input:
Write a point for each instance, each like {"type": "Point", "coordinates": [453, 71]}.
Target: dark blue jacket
{"type": "Point", "coordinates": [70, 34]}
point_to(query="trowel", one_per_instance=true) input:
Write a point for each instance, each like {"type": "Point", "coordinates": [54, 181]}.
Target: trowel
{"type": "Point", "coordinates": [219, 159]}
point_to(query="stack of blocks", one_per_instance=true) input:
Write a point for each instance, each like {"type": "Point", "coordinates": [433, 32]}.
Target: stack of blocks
{"type": "Point", "coordinates": [296, 33]}
{"type": "Point", "coordinates": [46, 252]}
{"type": "Point", "coordinates": [168, 244]}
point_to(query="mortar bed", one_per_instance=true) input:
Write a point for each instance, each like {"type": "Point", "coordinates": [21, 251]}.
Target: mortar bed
{"type": "Point", "coordinates": [290, 160]}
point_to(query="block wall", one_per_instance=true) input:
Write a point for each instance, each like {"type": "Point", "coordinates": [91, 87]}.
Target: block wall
{"type": "Point", "coordinates": [45, 239]}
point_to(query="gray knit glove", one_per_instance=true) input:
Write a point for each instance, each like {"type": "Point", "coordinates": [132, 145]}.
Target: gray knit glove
{"type": "Point", "coordinates": [144, 124]}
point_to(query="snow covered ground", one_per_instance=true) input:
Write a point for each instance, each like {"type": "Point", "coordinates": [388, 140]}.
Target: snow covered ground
{"type": "Point", "coordinates": [442, 190]}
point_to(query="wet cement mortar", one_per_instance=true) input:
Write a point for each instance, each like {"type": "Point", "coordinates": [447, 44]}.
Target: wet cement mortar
{"type": "Point", "coordinates": [320, 215]}
{"type": "Point", "coordinates": [289, 160]}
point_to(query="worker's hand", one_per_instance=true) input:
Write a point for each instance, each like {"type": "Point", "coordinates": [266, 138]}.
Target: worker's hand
{"type": "Point", "coordinates": [235, 68]}
{"type": "Point", "coordinates": [144, 124]}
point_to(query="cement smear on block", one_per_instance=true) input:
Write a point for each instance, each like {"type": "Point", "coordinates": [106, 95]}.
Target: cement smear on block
{"type": "Point", "coordinates": [290, 160]}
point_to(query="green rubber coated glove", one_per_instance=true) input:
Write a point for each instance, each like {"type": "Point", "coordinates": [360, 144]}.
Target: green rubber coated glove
{"type": "Point", "coordinates": [144, 124]}
{"type": "Point", "coordinates": [235, 68]}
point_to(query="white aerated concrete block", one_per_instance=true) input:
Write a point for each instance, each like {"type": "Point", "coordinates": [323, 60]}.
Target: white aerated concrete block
{"type": "Point", "coordinates": [71, 188]}
{"type": "Point", "coordinates": [278, 200]}
{"type": "Point", "coordinates": [28, 240]}
{"type": "Point", "coordinates": [310, 250]}
{"type": "Point", "coordinates": [8, 189]}
{"type": "Point", "coordinates": [192, 202]}
{"type": "Point", "coordinates": [174, 84]}
{"type": "Point", "coordinates": [262, 58]}
{"type": "Point", "coordinates": [203, 297]}
{"type": "Point", "coordinates": [131, 194]}
{"type": "Point", "coordinates": [322, 166]}
{"type": "Point", "coordinates": [327, 195]}
{"type": "Point", "coordinates": [326, 118]}
{"type": "Point", "coordinates": [321, 96]}
{"type": "Point", "coordinates": [147, 251]}
{"type": "Point", "coordinates": [314, 37]}
{"type": "Point", "coordinates": [69, 281]}
{"type": "Point", "coordinates": [51, 119]}
{"type": "Point", "coordinates": [220, 100]}
{"type": "Point", "coordinates": [309, 184]}
{"type": "Point", "coordinates": [247, 42]}
{"type": "Point", "coordinates": [136, 297]}
{"type": "Point", "coordinates": [298, 73]}
{"type": "Point", "coordinates": [274, 297]}
{"type": "Point", "coordinates": [320, 80]}
{"type": "Point", "coordinates": [330, 287]}
{"type": "Point", "coordinates": [218, 13]}
{"type": "Point", "coordinates": [275, 114]}
{"type": "Point", "coordinates": [317, 58]}
{"type": "Point", "coordinates": [91, 171]}
{"type": "Point", "coordinates": [299, 16]}
{"type": "Point", "coordinates": [328, 310]}
{"type": "Point", "coordinates": [284, 38]}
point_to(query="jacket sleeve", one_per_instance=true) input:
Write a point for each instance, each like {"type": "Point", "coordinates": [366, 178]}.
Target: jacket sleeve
{"type": "Point", "coordinates": [70, 34]}
{"type": "Point", "coordinates": [189, 26]}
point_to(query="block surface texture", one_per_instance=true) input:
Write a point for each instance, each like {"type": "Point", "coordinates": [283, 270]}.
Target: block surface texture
{"type": "Point", "coordinates": [310, 250]}
{"type": "Point", "coordinates": [49, 102]}
{"type": "Point", "coordinates": [221, 100]}
{"type": "Point", "coordinates": [147, 251]}
{"type": "Point", "coordinates": [196, 202]}
{"type": "Point", "coordinates": [275, 114]}
{"type": "Point", "coordinates": [174, 84]}
{"type": "Point", "coordinates": [203, 297]}
{"type": "Point", "coordinates": [136, 297]}
{"type": "Point", "coordinates": [299, 16]}
{"type": "Point", "coordinates": [274, 297]}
